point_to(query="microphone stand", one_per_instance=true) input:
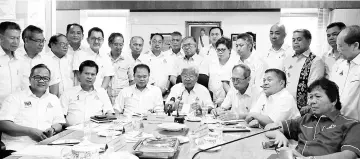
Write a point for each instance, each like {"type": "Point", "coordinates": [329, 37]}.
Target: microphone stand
{"type": "Point", "coordinates": [272, 129]}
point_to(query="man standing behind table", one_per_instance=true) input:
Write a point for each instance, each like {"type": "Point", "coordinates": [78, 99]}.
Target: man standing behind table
{"type": "Point", "coordinates": [302, 68]}
{"type": "Point", "coordinates": [175, 50]}
{"type": "Point", "coordinates": [346, 73]}
{"type": "Point", "coordinates": [122, 66]}
{"type": "Point", "coordinates": [105, 71]}
{"type": "Point", "coordinates": [189, 92]}
{"type": "Point", "coordinates": [279, 50]}
{"type": "Point", "coordinates": [75, 34]}
{"type": "Point", "coordinates": [275, 103]}
{"type": "Point", "coordinates": [158, 62]}
{"type": "Point", "coordinates": [31, 115]}
{"type": "Point", "coordinates": [333, 55]}
{"type": "Point", "coordinates": [34, 41]}
{"type": "Point", "coordinates": [85, 100]}
{"type": "Point", "coordinates": [136, 48]}
{"type": "Point", "coordinates": [140, 98]}
{"type": "Point", "coordinates": [244, 48]}
{"type": "Point", "coordinates": [240, 98]}
{"type": "Point", "coordinates": [10, 78]}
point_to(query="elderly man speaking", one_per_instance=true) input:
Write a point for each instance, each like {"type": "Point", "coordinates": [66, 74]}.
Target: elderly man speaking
{"type": "Point", "coordinates": [189, 92]}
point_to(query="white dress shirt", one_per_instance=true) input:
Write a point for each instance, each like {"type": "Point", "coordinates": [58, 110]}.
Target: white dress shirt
{"type": "Point", "coordinates": [347, 76]}
{"type": "Point", "coordinates": [159, 68]}
{"type": "Point", "coordinates": [10, 78]}
{"type": "Point", "coordinates": [79, 105]}
{"type": "Point", "coordinates": [217, 74]}
{"type": "Point", "coordinates": [241, 103]}
{"type": "Point", "coordinates": [72, 52]}
{"type": "Point", "coordinates": [25, 109]}
{"type": "Point", "coordinates": [205, 40]}
{"type": "Point", "coordinates": [134, 101]}
{"type": "Point", "coordinates": [278, 107]}
{"type": "Point", "coordinates": [275, 59]}
{"type": "Point", "coordinates": [196, 61]}
{"type": "Point", "coordinates": [330, 59]}
{"type": "Point", "coordinates": [103, 61]}
{"type": "Point", "coordinates": [28, 63]}
{"type": "Point", "coordinates": [292, 68]}
{"type": "Point", "coordinates": [123, 69]}
{"type": "Point", "coordinates": [198, 92]}
{"type": "Point", "coordinates": [258, 67]}
{"type": "Point", "coordinates": [64, 66]}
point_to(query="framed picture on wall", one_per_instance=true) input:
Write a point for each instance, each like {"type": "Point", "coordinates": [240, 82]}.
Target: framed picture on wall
{"type": "Point", "coordinates": [234, 36]}
{"type": "Point", "coordinates": [167, 40]}
{"type": "Point", "coordinates": [197, 28]}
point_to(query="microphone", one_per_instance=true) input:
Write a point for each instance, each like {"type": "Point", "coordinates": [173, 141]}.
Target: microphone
{"type": "Point", "coordinates": [272, 129]}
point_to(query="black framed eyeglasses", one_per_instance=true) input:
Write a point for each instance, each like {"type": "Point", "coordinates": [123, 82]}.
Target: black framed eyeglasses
{"type": "Point", "coordinates": [233, 79]}
{"type": "Point", "coordinates": [39, 78]}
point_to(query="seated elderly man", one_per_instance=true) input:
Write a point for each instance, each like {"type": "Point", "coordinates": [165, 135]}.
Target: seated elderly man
{"type": "Point", "coordinates": [31, 115]}
{"type": "Point", "coordinates": [323, 132]}
{"type": "Point", "coordinates": [275, 103]}
{"type": "Point", "coordinates": [85, 100]}
{"type": "Point", "coordinates": [140, 98]}
{"type": "Point", "coordinates": [241, 97]}
{"type": "Point", "coordinates": [191, 94]}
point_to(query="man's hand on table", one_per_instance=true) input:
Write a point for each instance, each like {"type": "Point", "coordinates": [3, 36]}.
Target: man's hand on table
{"type": "Point", "coordinates": [251, 116]}
{"type": "Point", "coordinates": [195, 106]}
{"type": "Point", "coordinates": [228, 115]}
{"type": "Point", "coordinates": [49, 132]}
{"type": "Point", "coordinates": [254, 123]}
{"type": "Point", "coordinates": [37, 134]}
{"type": "Point", "coordinates": [280, 139]}
{"type": "Point", "coordinates": [218, 111]}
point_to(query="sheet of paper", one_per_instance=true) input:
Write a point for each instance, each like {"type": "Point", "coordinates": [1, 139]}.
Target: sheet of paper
{"type": "Point", "coordinates": [38, 151]}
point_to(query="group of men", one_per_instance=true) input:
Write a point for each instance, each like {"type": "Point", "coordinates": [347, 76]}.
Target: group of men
{"type": "Point", "coordinates": [41, 93]}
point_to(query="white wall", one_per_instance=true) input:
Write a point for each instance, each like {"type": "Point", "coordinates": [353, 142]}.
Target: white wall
{"type": "Point", "coordinates": [348, 16]}
{"type": "Point", "coordinates": [65, 17]}
{"type": "Point", "coordinates": [144, 23]}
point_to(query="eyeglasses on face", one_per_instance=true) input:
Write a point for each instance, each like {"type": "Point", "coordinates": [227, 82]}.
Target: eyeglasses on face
{"type": "Point", "coordinates": [37, 40]}
{"type": "Point", "coordinates": [221, 49]}
{"type": "Point", "coordinates": [188, 45]}
{"type": "Point", "coordinates": [38, 78]}
{"type": "Point", "coordinates": [96, 39]}
{"type": "Point", "coordinates": [62, 44]}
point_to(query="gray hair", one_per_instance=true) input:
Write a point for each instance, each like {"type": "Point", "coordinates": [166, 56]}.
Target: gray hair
{"type": "Point", "coordinates": [191, 68]}
{"type": "Point", "coordinates": [247, 70]}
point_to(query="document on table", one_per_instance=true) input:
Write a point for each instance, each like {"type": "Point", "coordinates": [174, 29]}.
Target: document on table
{"type": "Point", "coordinates": [40, 151]}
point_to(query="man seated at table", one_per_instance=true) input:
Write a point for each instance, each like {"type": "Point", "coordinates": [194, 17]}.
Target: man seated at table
{"type": "Point", "coordinates": [275, 102]}
{"type": "Point", "coordinates": [241, 97]}
{"type": "Point", "coordinates": [85, 100]}
{"type": "Point", "coordinates": [140, 98]}
{"type": "Point", "coordinates": [31, 115]}
{"type": "Point", "coordinates": [191, 94]}
{"type": "Point", "coordinates": [323, 132]}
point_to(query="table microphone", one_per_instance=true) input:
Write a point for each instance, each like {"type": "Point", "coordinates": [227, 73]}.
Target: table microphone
{"type": "Point", "coordinates": [272, 129]}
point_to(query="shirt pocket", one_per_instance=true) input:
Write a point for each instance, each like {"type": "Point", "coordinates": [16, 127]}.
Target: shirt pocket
{"type": "Point", "coordinates": [121, 72]}
{"type": "Point", "coordinates": [131, 101]}
{"type": "Point", "coordinates": [355, 78]}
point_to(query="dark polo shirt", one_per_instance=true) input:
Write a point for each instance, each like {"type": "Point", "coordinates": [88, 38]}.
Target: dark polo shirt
{"type": "Point", "coordinates": [323, 135]}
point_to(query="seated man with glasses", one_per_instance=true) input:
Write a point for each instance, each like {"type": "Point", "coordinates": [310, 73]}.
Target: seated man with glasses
{"type": "Point", "coordinates": [34, 42]}
{"type": "Point", "coordinates": [275, 103]}
{"type": "Point", "coordinates": [241, 97]}
{"type": "Point", "coordinates": [31, 115]}
{"type": "Point", "coordinates": [106, 70]}
{"type": "Point", "coordinates": [189, 92]}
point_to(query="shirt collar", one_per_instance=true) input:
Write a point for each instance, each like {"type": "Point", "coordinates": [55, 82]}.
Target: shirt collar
{"type": "Point", "coordinates": [282, 48]}
{"type": "Point", "coordinates": [306, 53]}
{"type": "Point", "coordinates": [160, 55]}
{"type": "Point", "coordinates": [79, 89]}
{"type": "Point", "coordinates": [192, 58]}
{"type": "Point", "coordinates": [248, 91]}
{"type": "Point", "coordinates": [135, 88]}
{"type": "Point", "coordinates": [194, 88]}
{"type": "Point", "coordinates": [121, 57]}
{"type": "Point", "coordinates": [29, 93]}
{"type": "Point", "coordinates": [277, 95]}
{"type": "Point", "coordinates": [356, 60]}
{"type": "Point", "coordinates": [2, 53]}
{"type": "Point", "coordinates": [331, 115]}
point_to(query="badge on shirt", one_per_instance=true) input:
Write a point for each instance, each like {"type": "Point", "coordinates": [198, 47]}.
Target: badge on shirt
{"type": "Point", "coordinates": [331, 126]}
{"type": "Point", "coordinates": [341, 73]}
{"type": "Point", "coordinates": [96, 97]}
{"type": "Point", "coordinates": [78, 97]}
{"type": "Point", "coordinates": [49, 106]}
{"type": "Point", "coordinates": [28, 104]}
{"type": "Point", "coordinates": [290, 67]}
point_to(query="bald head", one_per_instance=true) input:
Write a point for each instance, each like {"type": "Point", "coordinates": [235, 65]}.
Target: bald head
{"type": "Point", "coordinates": [277, 34]}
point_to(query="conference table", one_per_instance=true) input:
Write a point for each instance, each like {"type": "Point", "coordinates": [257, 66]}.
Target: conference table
{"type": "Point", "coordinates": [250, 148]}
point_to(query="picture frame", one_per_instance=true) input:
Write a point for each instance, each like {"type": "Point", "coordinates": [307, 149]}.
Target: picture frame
{"type": "Point", "coordinates": [193, 28]}
{"type": "Point", "coordinates": [234, 36]}
{"type": "Point", "coordinates": [167, 41]}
